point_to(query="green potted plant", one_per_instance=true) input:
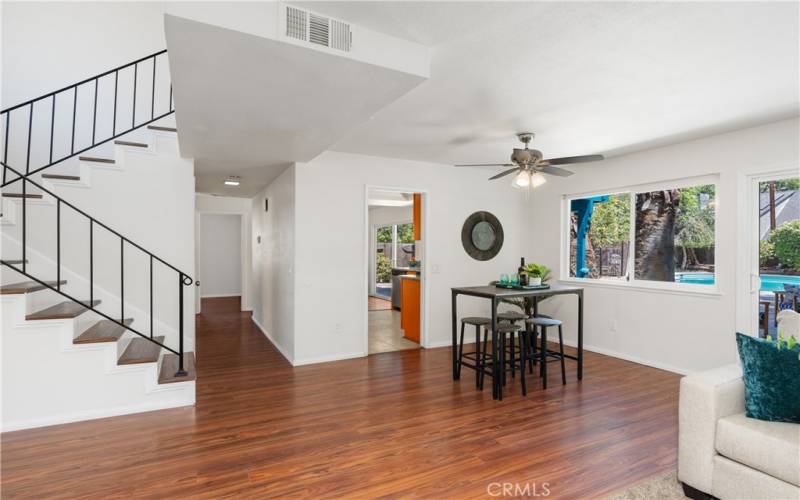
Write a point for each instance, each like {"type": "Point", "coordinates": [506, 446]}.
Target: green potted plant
{"type": "Point", "coordinates": [537, 273]}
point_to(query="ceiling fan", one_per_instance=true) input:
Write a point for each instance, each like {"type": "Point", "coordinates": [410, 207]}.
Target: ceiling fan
{"type": "Point", "coordinates": [530, 165]}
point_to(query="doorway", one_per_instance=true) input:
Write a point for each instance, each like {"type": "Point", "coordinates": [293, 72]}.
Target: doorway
{"type": "Point", "coordinates": [220, 255]}
{"type": "Point", "coordinates": [394, 285]}
{"type": "Point", "coordinates": [775, 266]}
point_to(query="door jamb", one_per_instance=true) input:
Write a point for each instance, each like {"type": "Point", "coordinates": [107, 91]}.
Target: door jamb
{"type": "Point", "coordinates": [748, 302]}
{"type": "Point", "coordinates": [425, 289]}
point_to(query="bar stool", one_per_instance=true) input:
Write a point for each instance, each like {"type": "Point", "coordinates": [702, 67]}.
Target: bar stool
{"type": "Point", "coordinates": [532, 358]}
{"type": "Point", "coordinates": [512, 317]}
{"type": "Point", "coordinates": [544, 323]}
{"type": "Point", "coordinates": [506, 365]}
{"type": "Point", "coordinates": [476, 357]}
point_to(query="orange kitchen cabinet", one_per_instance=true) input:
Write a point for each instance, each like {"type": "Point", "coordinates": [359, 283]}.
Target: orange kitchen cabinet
{"type": "Point", "coordinates": [417, 216]}
{"type": "Point", "coordinates": [409, 308]}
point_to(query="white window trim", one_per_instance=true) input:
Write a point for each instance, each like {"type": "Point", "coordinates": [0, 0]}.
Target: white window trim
{"type": "Point", "coordinates": [630, 282]}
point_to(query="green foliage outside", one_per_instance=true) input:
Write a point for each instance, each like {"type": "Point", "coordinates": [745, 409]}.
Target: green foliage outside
{"type": "Point", "coordinates": [385, 234]}
{"type": "Point", "coordinates": [383, 268]}
{"type": "Point", "coordinates": [786, 243]}
{"type": "Point", "coordinates": [611, 221]}
{"type": "Point", "coordinates": [766, 253]}
{"type": "Point", "coordinates": [694, 224]}
{"type": "Point", "coordinates": [782, 185]}
{"type": "Point", "coordinates": [405, 233]}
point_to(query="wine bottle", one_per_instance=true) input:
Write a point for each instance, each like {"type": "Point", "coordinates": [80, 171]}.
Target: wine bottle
{"type": "Point", "coordinates": [522, 272]}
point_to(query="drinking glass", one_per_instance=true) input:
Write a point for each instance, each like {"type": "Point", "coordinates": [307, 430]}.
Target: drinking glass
{"type": "Point", "coordinates": [515, 279]}
{"type": "Point", "coordinates": [504, 279]}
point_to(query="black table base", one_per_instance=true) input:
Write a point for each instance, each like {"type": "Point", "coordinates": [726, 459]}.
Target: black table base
{"type": "Point", "coordinates": [496, 295]}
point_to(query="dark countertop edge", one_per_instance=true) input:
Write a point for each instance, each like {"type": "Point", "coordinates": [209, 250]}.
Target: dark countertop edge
{"type": "Point", "coordinates": [491, 291]}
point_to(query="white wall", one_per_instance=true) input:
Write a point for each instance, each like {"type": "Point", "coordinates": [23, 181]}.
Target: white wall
{"type": "Point", "coordinates": [220, 255]}
{"type": "Point", "coordinates": [274, 298]}
{"type": "Point", "coordinates": [49, 45]}
{"type": "Point", "coordinates": [330, 312]}
{"type": "Point", "coordinates": [676, 331]}
{"type": "Point", "coordinates": [208, 204]}
{"type": "Point", "coordinates": [41, 52]}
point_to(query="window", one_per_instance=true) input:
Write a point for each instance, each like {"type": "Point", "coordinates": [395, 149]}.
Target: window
{"type": "Point", "coordinates": [645, 235]}
{"type": "Point", "coordinates": [600, 236]}
{"type": "Point", "coordinates": [675, 235]}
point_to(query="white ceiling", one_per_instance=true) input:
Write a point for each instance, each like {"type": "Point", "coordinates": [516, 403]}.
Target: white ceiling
{"type": "Point", "coordinates": [593, 77]}
{"type": "Point", "coordinates": [250, 106]}
{"type": "Point", "coordinates": [379, 198]}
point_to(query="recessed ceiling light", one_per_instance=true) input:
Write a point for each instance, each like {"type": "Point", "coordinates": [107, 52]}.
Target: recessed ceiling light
{"type": "Point", "coordinates": [232, 180]}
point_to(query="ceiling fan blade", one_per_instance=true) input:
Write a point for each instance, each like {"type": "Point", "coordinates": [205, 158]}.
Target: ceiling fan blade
{"type": "Point", "coordinates": [487, 165]}
{"type": "Point", "coordinates": [573, 159]}
{"type": "Point", "coordinates": [546, 169]}
{"type": "Point", "coordinates": [504, 173]}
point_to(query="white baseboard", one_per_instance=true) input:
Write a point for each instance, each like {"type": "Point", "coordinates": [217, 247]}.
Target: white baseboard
{"type": "Point", "coordinates": [94, 414]}
{"type": "Point", "coordinates": [440, 343]}
{"type": "Point", "coordinates": [628, 357]}
{"type": "Point", "coordinates": [328, 359]}
{"type": "Point", "coordinates": [279, 347]}
{"type": "Point", "coordinates": [305, 361]}
{"type": "Point", "coordinates": [598, 350]}
{"type": "Point", "coordinates": [220, 296]}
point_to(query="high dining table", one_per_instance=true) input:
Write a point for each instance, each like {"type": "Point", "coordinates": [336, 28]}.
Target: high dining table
{"type": "Point", "coordinates": [496, 295]}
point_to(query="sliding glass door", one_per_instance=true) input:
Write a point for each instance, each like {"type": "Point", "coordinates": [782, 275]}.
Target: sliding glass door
{"type": "Point", "coordinates": [394, 249]}
{"type": "Point", "coordinates": [778, 250]}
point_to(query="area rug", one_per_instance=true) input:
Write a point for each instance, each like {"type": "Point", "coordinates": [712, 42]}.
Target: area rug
{"type": "Point", "coordinates": [658, 487]}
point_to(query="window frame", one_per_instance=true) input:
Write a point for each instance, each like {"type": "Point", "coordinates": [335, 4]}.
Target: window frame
{"type": "Point", "coordinates": [629, 280]}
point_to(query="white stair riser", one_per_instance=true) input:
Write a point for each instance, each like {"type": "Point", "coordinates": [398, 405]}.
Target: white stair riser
{"type": "Point", "coordinates": [63, 381]}
{"type": "Point", "coordinates": [70, 382]}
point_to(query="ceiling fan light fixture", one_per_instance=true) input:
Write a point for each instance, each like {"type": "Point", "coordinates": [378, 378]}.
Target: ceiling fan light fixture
{"type": "Point", "coordinates": [537, 179]}
{"type": "Point", "coordinates": [522, 179]}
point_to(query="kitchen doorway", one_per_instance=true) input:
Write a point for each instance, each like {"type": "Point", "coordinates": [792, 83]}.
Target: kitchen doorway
{"type": "Point", "coordinates": [394, 285]}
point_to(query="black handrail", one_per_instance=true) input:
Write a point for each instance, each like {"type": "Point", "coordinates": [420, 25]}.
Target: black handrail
{"type": "Point", "coordinates": [184, 279]}
{"type": "Point", "coordinates": [74, 88]}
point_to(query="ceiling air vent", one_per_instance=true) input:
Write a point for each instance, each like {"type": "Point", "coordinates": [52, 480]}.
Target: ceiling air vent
{"type": "Point", "coordinates": [319, 30]}
{"type": "Point", "coordinates": [340, 36]}
{"type": "Point", "coordinates": [296, 23]}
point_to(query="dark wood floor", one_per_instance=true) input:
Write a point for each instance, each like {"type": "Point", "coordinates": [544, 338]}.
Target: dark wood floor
{"type": "Point", "coordinates": [391, 424]}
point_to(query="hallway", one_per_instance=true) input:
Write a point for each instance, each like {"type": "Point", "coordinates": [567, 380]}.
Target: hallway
{"type": "Point", "coordinates": [389, 424]}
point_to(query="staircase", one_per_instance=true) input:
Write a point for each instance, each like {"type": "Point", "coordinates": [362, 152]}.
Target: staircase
{"type": "Point", "coordinates": [77, 344]}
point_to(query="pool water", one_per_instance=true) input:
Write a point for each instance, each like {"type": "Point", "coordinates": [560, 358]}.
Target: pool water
{"type": "Point", "coordinates": [769, 282]}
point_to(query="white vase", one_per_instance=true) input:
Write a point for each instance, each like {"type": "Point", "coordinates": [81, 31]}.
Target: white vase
{"type": "Point", "coordinates": [534, 281]}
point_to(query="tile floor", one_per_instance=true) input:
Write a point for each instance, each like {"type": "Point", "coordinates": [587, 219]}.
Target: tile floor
{"type": "Point", "coordinates": [385, 334]}
{"type": "Point", "coordinates": [376, 304]}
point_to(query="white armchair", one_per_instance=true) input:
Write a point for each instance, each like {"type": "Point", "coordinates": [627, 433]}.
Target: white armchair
{"type": "Point", "coordinates": [724, 454]}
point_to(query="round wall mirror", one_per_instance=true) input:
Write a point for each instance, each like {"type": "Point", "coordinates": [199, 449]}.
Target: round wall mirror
{"type": "Point", "coordinates": [482, 236]}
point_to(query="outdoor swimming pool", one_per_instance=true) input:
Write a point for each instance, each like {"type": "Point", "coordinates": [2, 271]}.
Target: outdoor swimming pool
{"type": "Point", "coordinates": [769, 282]}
